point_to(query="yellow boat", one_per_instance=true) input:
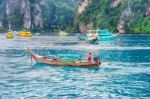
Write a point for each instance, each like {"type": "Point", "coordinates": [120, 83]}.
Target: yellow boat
{"type": "Point", "coordinates": [63, 34]}
{"type": "Point", "coordinates": [24, 33]}
{"type": "Point", "coordinates": [9, 35]}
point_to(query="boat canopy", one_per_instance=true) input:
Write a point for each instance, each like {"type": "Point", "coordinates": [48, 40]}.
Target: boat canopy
{"type": "Point", "coordinates": [104, 32]}
{"type": "Point", "coordinates": [92, 30]}
{"type": "Point", "coordinates": [69, 55]}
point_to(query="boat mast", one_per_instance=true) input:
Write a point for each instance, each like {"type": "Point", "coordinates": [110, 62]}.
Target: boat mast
{"type": "Point", "coordinates": [9, 27]}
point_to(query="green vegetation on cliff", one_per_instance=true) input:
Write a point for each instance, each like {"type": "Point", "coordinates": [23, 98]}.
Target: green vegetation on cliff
{"type": "Point", "coordinates": [130, 14]}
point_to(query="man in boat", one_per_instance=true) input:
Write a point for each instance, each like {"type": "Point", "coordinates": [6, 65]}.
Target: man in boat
{"type": "Point", "coordinates": [97, 60]}
{"type": "Point", "coordinates": [89, 57]}
{"type": "Point", "coordinates": [56, 59]}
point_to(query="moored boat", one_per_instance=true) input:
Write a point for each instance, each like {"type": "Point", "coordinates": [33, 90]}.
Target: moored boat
{"type": "Point", "coordinates": [63, 34]}
{"type": "Point", "coordinates": [24, 33]}
{"type": "Point", "coordinates": [104, 35]}
{"type": "Point", "coordinates": [44, 60]}
{"type": "Point", "coordinates": [100, 35]}
{"type": "Point", "coordinates": [92, 40]}
{"type": "Point", "coordinates": [9, 35]}
{"type": "Point", "coordinates": [92, 37]}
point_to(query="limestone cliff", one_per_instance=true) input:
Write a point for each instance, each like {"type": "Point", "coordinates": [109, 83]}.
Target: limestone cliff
{"type": "Point", "coordinates": [25, 8]}
{"type": "Point", "coordinates": [115, 3]}
{"type": "Point", "coordinates": [36, 14]}
{"type": "Point", "coordinates": [18, 9]}
{"type": "Point", "coordinates": [121, 16]}
{"type": "Point", "coordinates": [148, 11]}
{"type": "Point", "coordinates": [83, 6]}
{"type": "Point", "coordinates": [124, 18]}
{"type": "Point", "coordinates": [11, 7]}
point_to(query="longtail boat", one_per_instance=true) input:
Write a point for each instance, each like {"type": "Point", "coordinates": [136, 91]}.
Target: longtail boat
{"type": "Point", "coordinates": [42, 59]}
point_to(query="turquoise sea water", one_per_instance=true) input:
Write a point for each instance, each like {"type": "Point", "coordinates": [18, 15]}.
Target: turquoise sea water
{"type": "Point", "coordinates": [124, 72]}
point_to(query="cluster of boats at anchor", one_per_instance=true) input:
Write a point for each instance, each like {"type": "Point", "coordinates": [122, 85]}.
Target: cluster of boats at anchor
{"type": "Point", "coordinates": [25, 33]}
{"type": "Point", "coordinates": [10, 34]}
{"type": "Point", "coordinates": [92, 37]}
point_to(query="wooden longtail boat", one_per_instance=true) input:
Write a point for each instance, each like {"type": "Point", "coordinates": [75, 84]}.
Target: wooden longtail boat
{"type": "Point", "coordinates": [41, 59]}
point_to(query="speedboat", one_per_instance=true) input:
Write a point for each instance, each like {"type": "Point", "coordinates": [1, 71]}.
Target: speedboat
{"type": "Point", "coordinates": [104, 34]}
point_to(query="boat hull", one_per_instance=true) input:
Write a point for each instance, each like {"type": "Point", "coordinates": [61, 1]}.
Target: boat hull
{"type": "Point", "coordinates": [92, 41]}
{"type": "Point", "coordinates": [107, 37]}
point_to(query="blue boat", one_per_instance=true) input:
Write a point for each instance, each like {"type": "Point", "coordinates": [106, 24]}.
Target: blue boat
{"type": "Point", "coordinates": [104, 34]}
{"type": "Point", "coordinates": [101, 34]}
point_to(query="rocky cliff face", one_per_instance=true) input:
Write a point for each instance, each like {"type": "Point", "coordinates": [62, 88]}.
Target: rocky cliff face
{"type": "Point", "coordinates": [11, 7]}
{"type": "Point", "coordinates": [124, 18]}
{"type": "Point", "coordinates": [120, 16]}
{"type": "Point", "coordinates": [34, 14]}
{"type": "Point", "coordinates": [38, 12]}
{"type": "Point", "coordinates": [31, 13]}
{"type": "Point", "coordinates": [115, 3]}
{"type": "Point", "coordinates": [2, 9]}
{"type": "Point", "coordinates": [148, 11]}
{"type": "Point", "coordinates": [83, 6]}
{"type": "Point", "coordinates": [25, 8]}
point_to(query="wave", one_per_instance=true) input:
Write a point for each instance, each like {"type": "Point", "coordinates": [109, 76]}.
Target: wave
{"type": "Point", "coordinates": [83, 47]}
